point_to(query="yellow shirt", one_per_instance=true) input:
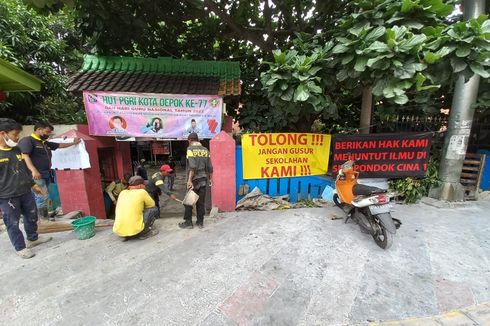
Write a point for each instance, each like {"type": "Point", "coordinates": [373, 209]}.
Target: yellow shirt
{"type": "Point", "coordinates": [129, 212]}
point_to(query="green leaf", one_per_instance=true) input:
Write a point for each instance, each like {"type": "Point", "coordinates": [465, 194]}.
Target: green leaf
{"type": "Point", "coordinates": [399, 31]}
{"type": "Point", "coordinates": [271, 82]}
{"type": "Point", "coordinates": [303, 77]}
{"type": "Point", "coordinates": [372, 61]}
{"type": "Point", "coordinates": [347, 59]}
{"type": "Point", "coordinates": [463, 52]}
{"type": "Point", "coordinates": [438, 7]}
{"type": "Point", "coordinates": [412, 42]}
{"type": "Point", "coordinates": [408, 5]}
{"type": "Point", "coordinates": [340, 48]}
{"type": "Point", "coordinates": [379, 86]}
{"type": "Point", "coordinates": [313, 88]}
{"type": "Point", "coordinates": [431, 57]}
{"type": "Point", "coordinates": [453, 34]}
{"type": "Point", "coordinates": [279, 57]}
{"type": "Point", "coordinates": [393, 20]}
{"type": "Point", "coordinates": [432, 31]}
{"type": "Point", "coordinates": [397, 63]}
{"type": "Point", "coordinates": [288, 95]}
{"type": "Point", "coordinates": [301, 94]}
{"type": "Point", "coordinates": [375, 34]}
{"type": "Point", "coordinates": [478, 69]}
{"type": "Point", "coordinates": [406, 71]}
{"type": "Point", "coordinates": [344, 40]}
{"type": "Point", "coordinates": [378, 46]}
{"type": "Point", "coordinates": [458, 64]}
{"type": "Point", "coordinates": [356, 30]}
{"type": "Point", "coordinates": [420, 79]}
{"type": "Point", "coordinates": [401, 99]}
{"type": "Point", "coordinates": [361, 64]}
{"type": "Point", "coordinates": [485, 27]}
{"type": "Point", "coordinates": [342, 75]}
{"type": "Point", "coordinates": [390, 35]}
{"type": "Point", "coordinates": [414, 25]}
{"type": "Point", "coordinates": [445, 51]}
{"type": "Point", "coordinates": [314, 70]}
{"type": "Point", "coordinates": [388, 91]}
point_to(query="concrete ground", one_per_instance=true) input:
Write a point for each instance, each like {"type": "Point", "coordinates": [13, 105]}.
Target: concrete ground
{"type": "Point", "coordinates": [291, 267]}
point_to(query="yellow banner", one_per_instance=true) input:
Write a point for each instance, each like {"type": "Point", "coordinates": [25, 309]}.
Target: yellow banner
{"type": "Point", "coordinates": [281, 155]}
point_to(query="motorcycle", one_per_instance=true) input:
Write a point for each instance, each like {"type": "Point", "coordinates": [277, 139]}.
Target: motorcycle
{"type": "Point", "coordinates": [368, 206]}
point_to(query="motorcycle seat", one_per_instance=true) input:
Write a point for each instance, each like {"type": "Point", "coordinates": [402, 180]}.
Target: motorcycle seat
{"type": "Point", "coordinates": [364, 190]}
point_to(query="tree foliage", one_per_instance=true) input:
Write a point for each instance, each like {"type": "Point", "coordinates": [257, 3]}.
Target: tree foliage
{"type": "Point", "coordinates": [406, 50]}
{"type": "Point", "coordinates": [246, 30]}
{"type": "Point", "coordinates": [45, 46]}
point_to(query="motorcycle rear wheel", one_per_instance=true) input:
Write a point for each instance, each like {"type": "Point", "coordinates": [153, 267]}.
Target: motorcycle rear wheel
{"type": "Point", "coordinates": [383, 238]}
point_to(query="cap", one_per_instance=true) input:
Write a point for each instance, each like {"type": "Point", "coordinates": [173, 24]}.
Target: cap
{"type": "Point", "coordinates": [193, 136]}
{"type": "Point", "coordinates": [166, 168]}
{"type": "Point", "coordinates": [136, 180]}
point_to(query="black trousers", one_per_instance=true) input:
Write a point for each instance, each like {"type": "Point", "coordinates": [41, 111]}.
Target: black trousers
{"type": "Point", "coordinates": [200, 208]}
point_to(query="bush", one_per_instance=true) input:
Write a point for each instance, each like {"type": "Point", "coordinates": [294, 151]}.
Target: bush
{"type": "Point", "coordinates": [412, 189]}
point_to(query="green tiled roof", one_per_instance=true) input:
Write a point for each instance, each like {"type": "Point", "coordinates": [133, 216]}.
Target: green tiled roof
{"type": "Point", "coordinates": [224, 70]}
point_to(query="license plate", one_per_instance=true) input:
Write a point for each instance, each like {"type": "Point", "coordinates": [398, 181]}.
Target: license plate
{"type": "Point", "coordinates": [378, 209]}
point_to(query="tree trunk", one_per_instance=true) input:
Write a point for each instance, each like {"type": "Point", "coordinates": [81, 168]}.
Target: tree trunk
{"type": "Point", "coordinates": [366, 108]}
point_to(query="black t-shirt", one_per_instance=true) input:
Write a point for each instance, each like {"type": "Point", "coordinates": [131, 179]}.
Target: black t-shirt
{"type": "Point", "coordinates": [40, 153]}
{"type": "Point", "coordinates": [15, 178]}
{"type": "Point", "coordinates": [141, 171]}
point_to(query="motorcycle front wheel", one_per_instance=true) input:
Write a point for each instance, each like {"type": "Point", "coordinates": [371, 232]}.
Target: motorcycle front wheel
{"type": "Point", "coordinates": [383, 238]}
{"type": "Point", "coordinates": [336, 200]}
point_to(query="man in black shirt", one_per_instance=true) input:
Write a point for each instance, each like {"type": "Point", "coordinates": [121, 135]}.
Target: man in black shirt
{"type": "Point", "coordinates": [141, 170]}
{"type": "Point", "coordinates": [199, 175]}
{"type": "Point", "coordinates": [156, 185]}
{"type": "Point", "coordinates": [15, 191]}
{"type": "Point", "coordinates": [36, 150]}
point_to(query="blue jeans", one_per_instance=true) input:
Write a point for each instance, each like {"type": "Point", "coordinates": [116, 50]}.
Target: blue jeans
{"type": "Point", "coordinates": [12, 208]}
{"type": "Point", "coordinates": [42, 200]}
{"type": "Point", "coordinates": [149, 216]}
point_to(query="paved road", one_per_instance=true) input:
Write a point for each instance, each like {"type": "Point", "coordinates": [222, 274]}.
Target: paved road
{"type": "Point", "coordinates": [293, 267]}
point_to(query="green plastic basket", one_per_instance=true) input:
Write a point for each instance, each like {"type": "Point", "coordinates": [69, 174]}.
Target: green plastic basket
{"type": "Point", "coordinates": [84, 227]}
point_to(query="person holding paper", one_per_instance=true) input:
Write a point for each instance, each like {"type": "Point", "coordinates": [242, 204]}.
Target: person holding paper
{"type": "Point", "coordinates": [36, 151]}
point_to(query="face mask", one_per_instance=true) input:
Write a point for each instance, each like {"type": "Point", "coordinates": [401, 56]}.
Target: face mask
{"type": "Point", "coordinates": [9, 142]}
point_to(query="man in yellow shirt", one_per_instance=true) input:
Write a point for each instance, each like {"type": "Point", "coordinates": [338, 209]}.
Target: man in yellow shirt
{"type": "Point", "coordinates": [135, 212]}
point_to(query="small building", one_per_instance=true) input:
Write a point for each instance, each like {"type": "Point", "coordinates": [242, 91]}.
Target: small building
{"type": "Point", "coordinates": [161, 77]}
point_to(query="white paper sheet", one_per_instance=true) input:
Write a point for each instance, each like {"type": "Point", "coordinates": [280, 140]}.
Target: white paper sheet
{"type": "Point", "coordinates": [74, 157]}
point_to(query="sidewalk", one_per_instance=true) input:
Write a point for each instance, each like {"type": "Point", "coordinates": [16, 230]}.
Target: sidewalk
{"type": "Point", "coordinates": [290, 267]}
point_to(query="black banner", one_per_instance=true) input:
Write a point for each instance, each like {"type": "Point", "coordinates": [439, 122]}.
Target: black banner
{"type": "Point", "coordinates": [383, 155]}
